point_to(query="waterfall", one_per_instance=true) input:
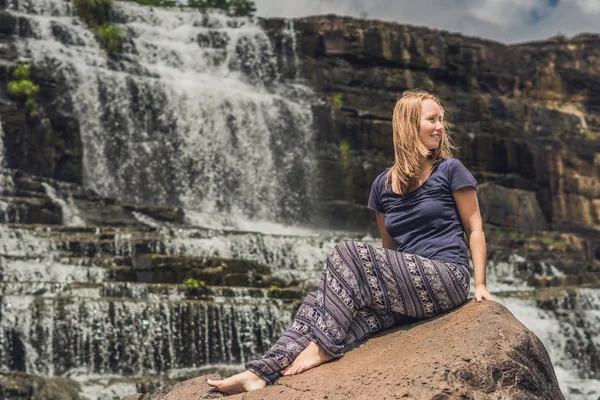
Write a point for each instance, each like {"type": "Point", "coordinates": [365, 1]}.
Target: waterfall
{"type": "Point", "coordinates": [70, 213]}
{"type": "Point", "coordinates": [568, 324]}
{"type": "Point", "coordinates": [2, 160]}
{"type": "Point", "coordinates": [50, 280]}
{"type": "Point", "coordinates": [6, 180]}
{"type": "Point", "coordinates": [200, 113]}
{"type": "Point", "coordinates": [195, 112]}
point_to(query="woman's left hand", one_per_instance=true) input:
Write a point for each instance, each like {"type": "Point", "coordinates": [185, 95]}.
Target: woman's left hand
{"type": "Point", "coordinates": [481, 293]}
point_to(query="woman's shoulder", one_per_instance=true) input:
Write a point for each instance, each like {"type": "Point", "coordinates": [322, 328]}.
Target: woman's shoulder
{"type": "Point", "coordinates": [382, 176]}
{"type": "Point", "coordinates": [379, 181]}
{"type": "Point", "coordinates": [450, 164]}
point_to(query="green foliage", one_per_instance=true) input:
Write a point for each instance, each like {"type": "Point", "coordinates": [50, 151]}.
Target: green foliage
{"type": "Point", "coordinates": [94, 12]}
{"type": "Point", "coordinates": [556, 241]}
{"type": "Point", "coordinates": [345, 154]}
{"type": "Point", "coordinates": [241, 8]}
{"type": "Point", "coordinates": [559, 37]}
{"type": "Point", "coordinates": [591, 135]}
{"type": "Point", "coordinates": [275, 291]}
{"type": "Point", "coordinates": [22, 88]}
{"type": "Point", "coordinates": [21, 72]}
{"type": "Point", "coordinates": [337, 101]}
{"type": "Point", "coordinates": [193, 284]}
{"type": "Point", "coordinates": [516, 235]}
{"type": "Point", "coordinates": [157, 3]}
{"type": "Point", "coordinates": [111, 36]}
{"type": "Point", "coordinates": [236, 8]}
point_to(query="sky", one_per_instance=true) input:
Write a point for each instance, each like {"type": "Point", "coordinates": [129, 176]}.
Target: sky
{"type": "Point", "coordinates": [506, 21]}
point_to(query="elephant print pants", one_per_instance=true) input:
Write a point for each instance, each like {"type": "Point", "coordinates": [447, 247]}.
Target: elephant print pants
{"type": "Point", "coordinates": [363, 290]}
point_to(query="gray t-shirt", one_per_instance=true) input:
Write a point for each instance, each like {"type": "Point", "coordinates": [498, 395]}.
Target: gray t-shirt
{"type": "Point", "coordinates": [426, 221]}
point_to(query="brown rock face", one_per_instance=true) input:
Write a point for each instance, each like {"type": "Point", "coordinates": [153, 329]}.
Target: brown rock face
{"type": "Point", "coordinates": [525, 118]}
{"type": "Point", "coordinates": [478, 351]}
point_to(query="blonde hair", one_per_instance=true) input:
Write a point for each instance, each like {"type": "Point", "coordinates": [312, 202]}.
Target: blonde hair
{"type": "Point", "coordinates": [408, 147]}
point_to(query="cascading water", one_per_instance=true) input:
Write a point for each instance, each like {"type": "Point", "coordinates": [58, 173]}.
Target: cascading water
{"type": "Point", "coordinates": [196, 112]}
{"type": "Point", "coordinates": [70, 213]}
{"type": "Point", "coordinates": [6, 181]}
{"type": "Point", "coordinates": [2, 166]}
{"type": "Point", "coordinates": [567, 321]}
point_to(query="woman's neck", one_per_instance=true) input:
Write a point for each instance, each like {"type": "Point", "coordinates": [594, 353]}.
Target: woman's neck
{"type": "Point", "coordinates": [424, 163]}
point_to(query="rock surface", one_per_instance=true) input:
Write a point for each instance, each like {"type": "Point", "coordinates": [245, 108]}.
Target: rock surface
{"type": "Point", "coordinates": [20, 386]}
{"type": "Point", "coordinates": [478, 351]}
{"type": "Point", "coordinates": [525, 117]}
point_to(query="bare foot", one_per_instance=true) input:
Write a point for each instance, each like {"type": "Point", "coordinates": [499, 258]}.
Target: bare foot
{"type": "Point", "coordinates": [310, 357]}
{"type": "Point", "coordinates": [246, 381]}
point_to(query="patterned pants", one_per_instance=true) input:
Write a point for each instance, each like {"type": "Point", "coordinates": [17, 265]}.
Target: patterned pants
{"type": "Point", "coordinates": [364, 289]}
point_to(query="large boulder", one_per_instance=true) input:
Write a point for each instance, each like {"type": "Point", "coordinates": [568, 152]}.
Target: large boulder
{"type": "Point", "coordinates": [478, 351]}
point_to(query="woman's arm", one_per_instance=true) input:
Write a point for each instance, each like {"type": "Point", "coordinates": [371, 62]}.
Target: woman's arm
{"type": "Point", "coordinates": [468, 208]}
{"type": "Point", "coordinates": [386, 240]}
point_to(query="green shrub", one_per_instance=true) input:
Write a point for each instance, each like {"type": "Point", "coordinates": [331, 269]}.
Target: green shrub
{"type": "Point", "coordinates": [21, 72]}
{"type": "Point", "coordinates": [559, 37]}
{"type": "Point", "coordinates": [236, 8]}
{"type": "Point", "coordinates": [345, 154]}
{"type": "Point", "coordinates": [22, 88]}
{"type": "Point", "coordinates": [157, 3]}
{"type": "Point", "coordinates": [337, 101]}
{"type": "Point", "coordinates": [94, 12]}
{"type": "Point", "coordinates": [111, 36]}
{"type": "Point", "coordinates": [193, 284]}
{"type": "Point", "coordinates": [241, 8]}
{"type": "Point", "coordinates": [275, 291]}
{"type": "Point", "coordinates": [590, 135]}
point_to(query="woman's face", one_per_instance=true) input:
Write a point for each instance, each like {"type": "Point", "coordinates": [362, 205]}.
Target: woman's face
{"type": "Point", "coordinates": [431, 128]}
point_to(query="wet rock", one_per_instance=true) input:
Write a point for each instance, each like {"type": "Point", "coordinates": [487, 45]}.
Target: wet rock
{"type": "Point", "coordinates": [479, 350]}
{"type": "Point", "coordinates": [20, 386]}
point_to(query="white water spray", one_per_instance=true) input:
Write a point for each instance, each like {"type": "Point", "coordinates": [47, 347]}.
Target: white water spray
{"type": "Point", "coordinates": [195, 112]}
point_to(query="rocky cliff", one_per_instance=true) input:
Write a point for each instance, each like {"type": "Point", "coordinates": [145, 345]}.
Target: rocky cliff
{"type": "Point", "coordinates": [526, 119]}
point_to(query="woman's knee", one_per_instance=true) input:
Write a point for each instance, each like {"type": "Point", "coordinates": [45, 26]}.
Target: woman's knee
{"type": "Point", "coordinates": [339, 248]}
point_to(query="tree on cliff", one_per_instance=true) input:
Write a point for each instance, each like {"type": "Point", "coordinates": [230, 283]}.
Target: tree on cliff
{"type": "Point", "coordinates": [237, 8]}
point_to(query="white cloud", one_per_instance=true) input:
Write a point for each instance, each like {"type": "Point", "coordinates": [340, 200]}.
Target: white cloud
{"type": "Point", "coordinates": [591, 6]}
{"type": "Point", "coordinates": [502, 12]}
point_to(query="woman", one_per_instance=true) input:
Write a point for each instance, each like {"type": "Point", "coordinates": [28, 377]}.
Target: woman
{"type": "Point", "coordinates": [423, 204]}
